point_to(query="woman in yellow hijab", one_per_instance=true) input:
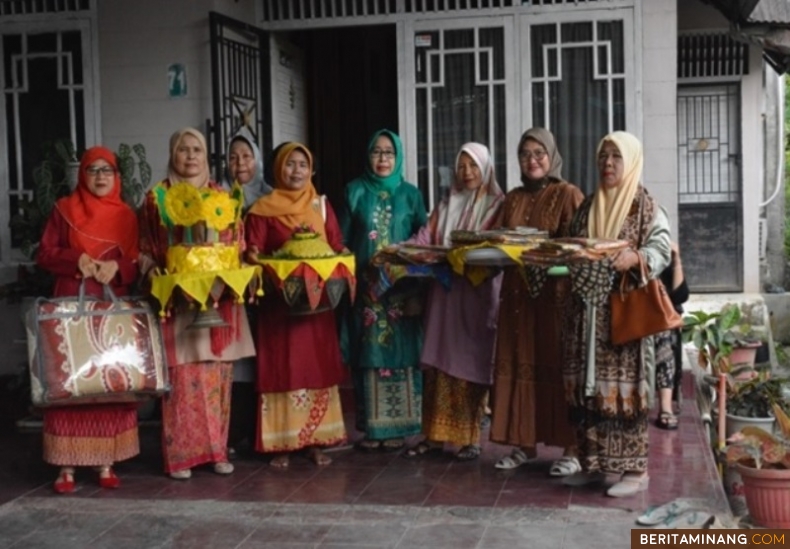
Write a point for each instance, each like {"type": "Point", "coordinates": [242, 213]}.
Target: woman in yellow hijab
{"type": "Point", "coordinates": [612, 424]}
{"type": "Point", "coordinates": [299, 366]}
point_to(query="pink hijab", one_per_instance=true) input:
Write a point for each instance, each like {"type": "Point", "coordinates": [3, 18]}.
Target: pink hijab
{"type": "Point", "coordinates": [471, 210]}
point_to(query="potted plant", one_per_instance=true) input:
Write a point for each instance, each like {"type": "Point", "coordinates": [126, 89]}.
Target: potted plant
{"type": "Point", "coordinates": [763, 462]}
{"type": "Point", "coordinates": [721, 339]}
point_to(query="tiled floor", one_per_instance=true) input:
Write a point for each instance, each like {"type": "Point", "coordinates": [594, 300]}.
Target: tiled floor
{"type": "Point", "coordinates": [378, 499]}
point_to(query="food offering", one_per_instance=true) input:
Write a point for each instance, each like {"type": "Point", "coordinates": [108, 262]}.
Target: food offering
{"type": "Point", "coordinates": [204, 267]}
{"type": "Point", "coordinates": [492, 248]}
{"type": "Point", "coordinates": [307, 272]}
{"type": "Point", "coordinates": [568, 250]}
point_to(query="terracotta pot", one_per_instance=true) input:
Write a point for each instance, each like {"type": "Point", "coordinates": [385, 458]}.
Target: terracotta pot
{"type": "Point", "coordinates": [767, 495]}
{"type": "Point", "coordinates": [745, 354]}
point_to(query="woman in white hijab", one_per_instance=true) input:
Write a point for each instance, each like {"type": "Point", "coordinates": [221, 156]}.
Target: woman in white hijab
{"type": "Point", "coordinates": [460, 323]}
{"type": "Point", "coordinates": [612, 425]}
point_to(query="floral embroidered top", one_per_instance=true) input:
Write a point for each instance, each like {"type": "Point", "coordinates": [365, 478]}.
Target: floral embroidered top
{"type": "Point", "coordinates": [378, 335]}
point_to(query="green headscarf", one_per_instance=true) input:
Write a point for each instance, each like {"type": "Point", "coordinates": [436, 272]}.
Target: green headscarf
{"type": "Point", "coordinates": [376, 183]}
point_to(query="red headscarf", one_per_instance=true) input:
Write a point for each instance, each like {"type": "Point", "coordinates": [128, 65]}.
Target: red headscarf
{"type": "Point", "coordinates": [98, 224]}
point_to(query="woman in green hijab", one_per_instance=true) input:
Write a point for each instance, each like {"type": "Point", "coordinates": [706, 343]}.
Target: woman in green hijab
{"type": "Point", "coordinates": [382, 342]}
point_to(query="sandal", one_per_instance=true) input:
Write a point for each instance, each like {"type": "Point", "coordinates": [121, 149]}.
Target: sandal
{"type": "Point", "coordinates": [393, 444]}
{"type": "Point", "coordinates": [223, 468]}
{"type": "Point", "coordinates": [317, 456]}
{"type": "Point", "coordinates": [565, 467]}
{"type": "Point", "coordinates": [281, 462]}
{"type": "Point", "coordinates": [368, 445]}
{"type": "Point", "coordinates": [517, 458]}
{"type": "Point", "coordinates": [468, 453]}
{"type": "Point", "coordinates": [64, 484]}
{"type": "Point", "coordinates": [667, 421]}
{"type": "Point", "coordinates": [421, 449]}
{"type": "Point", "coordinates": [629, 485]}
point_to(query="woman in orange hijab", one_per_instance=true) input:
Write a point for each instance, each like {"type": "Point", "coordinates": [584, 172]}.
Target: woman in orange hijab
{"type": "Point", "coordinates": [299, 366]}
{"type": "Point", "coordinates": [91, 237]}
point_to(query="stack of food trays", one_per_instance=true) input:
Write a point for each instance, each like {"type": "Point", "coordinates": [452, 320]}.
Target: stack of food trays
{"type": "Point", "coordinates": [568, 250]}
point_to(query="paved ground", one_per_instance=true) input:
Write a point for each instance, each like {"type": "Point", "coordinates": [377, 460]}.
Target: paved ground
{"type": "Point", "coordinates": [361, 500]}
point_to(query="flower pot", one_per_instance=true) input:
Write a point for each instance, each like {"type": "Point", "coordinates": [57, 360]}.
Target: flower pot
{"type": "Point", "coordinates": [767, 495]}
{"type": "Point", "coordinates": [745, 354]}
{"type": "Point", "coordinates": [736, 423]}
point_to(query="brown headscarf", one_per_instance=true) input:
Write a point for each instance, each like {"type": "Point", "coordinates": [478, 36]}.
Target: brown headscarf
{"type": "Point", "coordinates": [175, 140]}
{"type": "Point", "coordinates": [292, 208]}
{"type": "Point", "coordinates": [98, 224]}
{"type": "Point", "coordinates": [545, 138]}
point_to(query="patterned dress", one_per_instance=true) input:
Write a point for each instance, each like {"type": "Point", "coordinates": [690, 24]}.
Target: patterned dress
{"type": "Point", "coordinates": [611, 426]}
{"type": "Point", "coordinates": [382, 341]}
{"type": "Point", "coordinates": [528, 401]}
{"type": "Point", "coordinates": [298, 360]}
{"type": "Point", "coordinates": [90, 435]}
{"type": "Point", "coordinates": [196, 412]}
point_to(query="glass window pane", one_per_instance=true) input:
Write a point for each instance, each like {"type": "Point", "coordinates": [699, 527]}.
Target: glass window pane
{"type": "Point", "coordinates": [495, 38]}
{"type": "Point", "coordinates": [541, 34]}
{"type": "Point", "coordinates": [538, 105]}
{"type": "Point", "coordinates": [455, 39]}
{"type": "Point", "coordinates": [576, 32]}
{"type": "Point", "coordinates": [612, 31]}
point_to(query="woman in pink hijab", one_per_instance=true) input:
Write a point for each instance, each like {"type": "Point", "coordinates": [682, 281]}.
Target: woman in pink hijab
{"type": "Point", "coordinates": [460, 324]}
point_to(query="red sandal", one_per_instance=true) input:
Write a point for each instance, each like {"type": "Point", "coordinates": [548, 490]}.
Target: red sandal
{"type": "Point", "coordinates": [64, 484]}
{"type": "Point", "coordinates": [110, 481]}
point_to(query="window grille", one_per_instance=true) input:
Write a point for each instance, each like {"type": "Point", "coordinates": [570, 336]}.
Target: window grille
{"type": "Point", "coordinates": [711, 55]}
{"type": "Point", "coordinates": [36, 7]}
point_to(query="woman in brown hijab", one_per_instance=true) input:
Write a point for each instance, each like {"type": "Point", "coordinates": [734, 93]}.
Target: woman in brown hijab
{"type": "Point", "coordinates": [528, 400]}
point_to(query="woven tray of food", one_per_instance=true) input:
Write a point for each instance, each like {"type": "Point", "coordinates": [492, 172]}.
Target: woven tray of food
{"type": "Point", "coordinates": [411, 254]}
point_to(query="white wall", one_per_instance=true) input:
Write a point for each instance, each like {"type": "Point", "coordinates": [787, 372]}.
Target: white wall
{"type": "Point", "coordinates": [659, 103]}
{"type": "Point", "coordinates": [138, 40]}
{"type": "Point", "coordinates": [289, 92]}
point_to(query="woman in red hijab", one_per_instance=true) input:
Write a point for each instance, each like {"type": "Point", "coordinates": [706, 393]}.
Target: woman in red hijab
{"type": "Point", "coordinates": [91, 236]}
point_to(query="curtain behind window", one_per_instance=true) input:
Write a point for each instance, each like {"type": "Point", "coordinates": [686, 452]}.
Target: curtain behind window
{"type": "Point", "coordinates": [577, 103]}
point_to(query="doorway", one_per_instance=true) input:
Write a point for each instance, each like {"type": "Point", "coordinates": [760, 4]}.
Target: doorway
{"type": "Point", "coordinates": [352, 91]}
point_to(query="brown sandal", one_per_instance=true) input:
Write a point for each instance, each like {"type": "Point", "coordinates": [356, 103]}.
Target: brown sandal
{"type": "Point", "coordinates": [667, 421]}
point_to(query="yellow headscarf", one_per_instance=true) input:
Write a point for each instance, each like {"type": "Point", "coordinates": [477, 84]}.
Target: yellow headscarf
{"type": "Point", "coordinates": [292, 208]}
{"type": "Point", "coordinates": [610, 206]}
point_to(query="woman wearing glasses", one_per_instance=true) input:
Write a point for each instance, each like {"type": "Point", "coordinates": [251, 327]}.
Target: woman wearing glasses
{"type": "Point", "coordinates": [384, 336]}
{"type": "Point", "coordinates": [91, 237]}
{"type": "Point", "coordinates": [528, 401]}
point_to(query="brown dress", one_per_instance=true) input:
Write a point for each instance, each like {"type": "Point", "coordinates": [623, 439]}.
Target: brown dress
{"type": "Point", "coordinates": [528, 401]}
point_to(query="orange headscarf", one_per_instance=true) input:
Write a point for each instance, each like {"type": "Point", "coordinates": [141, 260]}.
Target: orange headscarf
{"type": "Point", "coordinates": [292, 208]}
{"type": "Point", "coordinates": [98, 224]}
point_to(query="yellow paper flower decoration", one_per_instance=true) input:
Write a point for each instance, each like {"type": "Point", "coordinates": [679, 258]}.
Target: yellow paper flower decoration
{"type": "Point", "coordinates": [183, 204]}
{"type": "Point", "coordinates": [219, 210]}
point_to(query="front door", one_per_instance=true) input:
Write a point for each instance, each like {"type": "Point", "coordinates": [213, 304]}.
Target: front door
{"type": "Point", "coordinates": [709, 187]}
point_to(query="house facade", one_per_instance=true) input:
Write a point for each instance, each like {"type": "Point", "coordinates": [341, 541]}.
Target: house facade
{"type": "Point", "coordinates": [440, 72]}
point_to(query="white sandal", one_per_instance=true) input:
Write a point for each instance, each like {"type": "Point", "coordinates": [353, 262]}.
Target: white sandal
{"type": "Point", "coordinates": [223, 468]}
{"type": "Point", "coordinates": [629, 485]}
{"type": "Point", "coordinates": [517, 458]}
{"type": "Point", "coordinates": [565, 467]}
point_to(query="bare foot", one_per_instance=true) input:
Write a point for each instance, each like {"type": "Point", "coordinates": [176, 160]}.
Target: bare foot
{"type": "Point", "coordinates": [281, 462]}
{"type": "Point", "coordinates": [318, 456]}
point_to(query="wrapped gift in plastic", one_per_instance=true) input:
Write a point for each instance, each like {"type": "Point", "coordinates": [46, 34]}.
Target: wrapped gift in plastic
{"type": "Point", "coordinates": [85, 351]}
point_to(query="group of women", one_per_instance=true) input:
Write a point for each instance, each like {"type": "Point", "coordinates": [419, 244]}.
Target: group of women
{"type": "Point", "coordinates": [490, 343]}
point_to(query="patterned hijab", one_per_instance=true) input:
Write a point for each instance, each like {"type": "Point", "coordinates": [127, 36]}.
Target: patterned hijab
{"type": "Point", "coordinates": [545, 138]}
{"type": "Point", "coordinates": [98, 224]}
{"type": "Point", "coordinates": [376, 183]}
{"type": "Point", "coordinates": [173, 176]}
{"type": "Point", "coordinates": [610, 206]}
{"type": "Point", "coordinates": [467, 209]}
{"type": "Point", "coordinates": [292, 208]}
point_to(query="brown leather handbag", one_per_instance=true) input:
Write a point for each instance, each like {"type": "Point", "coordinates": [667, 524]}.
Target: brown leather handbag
{"type": "Point", "coordinates": [643, 311]}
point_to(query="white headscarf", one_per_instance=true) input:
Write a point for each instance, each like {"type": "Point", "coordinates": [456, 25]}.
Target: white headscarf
{"type": "Point", "coordinates": [610, 206]}
{"type": "Point", "coordinates": [466, 209]}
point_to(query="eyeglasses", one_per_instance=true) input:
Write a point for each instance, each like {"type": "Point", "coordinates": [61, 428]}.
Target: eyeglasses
{"type": "Point", "coordinates": [381, 153]}
{"type": "Point", "coordinates": [526, 156]}
{"type": "Point", "coordinates": [104, 170]}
